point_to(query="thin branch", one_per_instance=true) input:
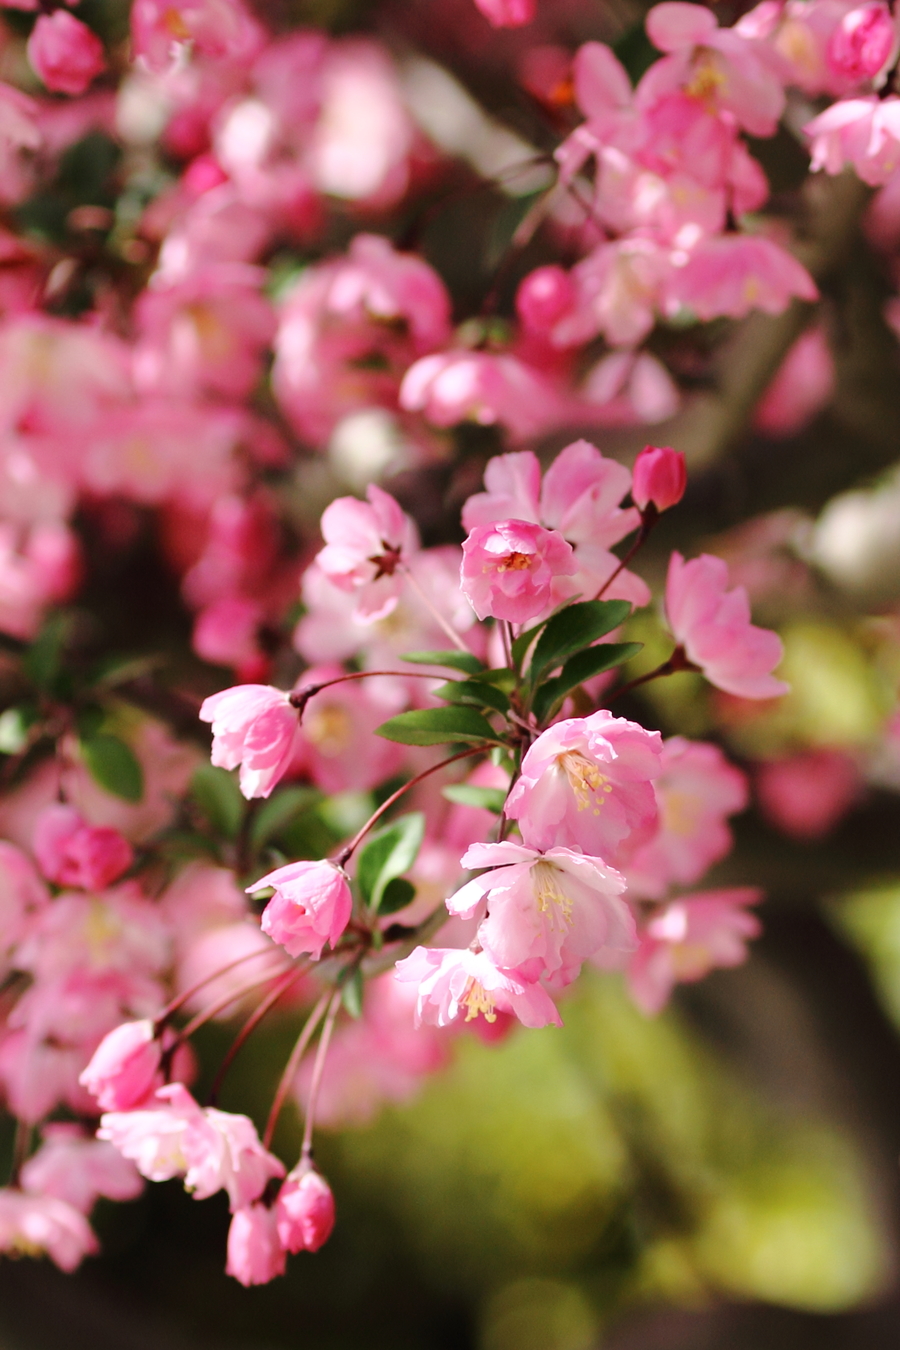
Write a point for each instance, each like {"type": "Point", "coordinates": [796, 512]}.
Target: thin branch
{"type": "Point", "coordinates": [318, 1070]}
{"type": "Point", "coordinates": [247, 1030]}
{"type": "Point", "coordinates": [293, 1064]}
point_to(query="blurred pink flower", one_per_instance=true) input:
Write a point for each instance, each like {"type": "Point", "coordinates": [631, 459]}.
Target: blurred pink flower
{"type": "Point", "coordinates": [71, 853]}
{"type": "Point", "coordinates": [124, 1069]}
{"type": "Point", "coordinates": [77, 1169]}
{"type": "Point", "coordinates": [64, 53]}
{"type": "Point", "coordinates": [255, 1254]}
{"type": "Point", "coordinates": [41, 1223]}
{"type": "Point", "coordinates": [807, 794]}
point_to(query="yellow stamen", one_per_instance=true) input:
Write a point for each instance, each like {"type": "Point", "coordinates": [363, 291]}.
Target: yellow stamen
{"type": "Point", "coordinates": [515, 562]}
{"type": "Point", "coordinates": [550, 897]}
{"type": "Point", "coordinates": [585, 779]}
{"type": "Point", "coordinates": [329, 728]}
{"type": "Point", "coordinates": [708, 78]}
{"type": "Point", "coordinates": [477, 1000]}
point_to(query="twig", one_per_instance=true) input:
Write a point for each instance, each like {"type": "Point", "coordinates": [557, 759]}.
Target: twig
{"type": "Point", "coordinates": [290, 1069]}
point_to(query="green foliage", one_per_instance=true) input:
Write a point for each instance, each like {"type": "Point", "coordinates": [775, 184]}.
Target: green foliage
{"type": "Point", "coordinates": [475, 692]}
{"type": "Point", "coordinates": [453, 660]}
{"type": "Point", "coordinates": [438, 726]}
{"type": "Point", "coordinates": [584, 665]}
{"type": "Point", "coordinates": [387, 854]}
{"type": "Point", "coordinates": [43, 659]}
{"type": "Point", "coordinates": [15, 724]}
{"type": "Point", "coordinates": [113, 765]}
{"type": "Point", "coordinates": [217, 794]}
{"type": "Point", "coordinates": [276, 814]}
{"type": "Point", "coordinates": [468, 794]}
{"type": "Point", "coordinates": [574, 628]}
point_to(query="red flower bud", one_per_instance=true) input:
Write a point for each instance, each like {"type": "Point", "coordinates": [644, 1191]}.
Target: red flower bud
{"type": "Point", "coordinates": [305, 1210]}
{"type": "Point", "coordinates": [659, 477]}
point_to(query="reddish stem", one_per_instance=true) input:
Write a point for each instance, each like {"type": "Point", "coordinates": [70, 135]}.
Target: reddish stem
{"type": "Point", "coordinates": [233, 997]}
{"type": "Point", "coordinates": [675, 664]}
{"type": "Point", "coordinates": [318, 1070]}
{"type": "Point", "coordinates": [248, 1029]}
{"type": "Point", "coordinates": [649, 517]}
{"type": "Point", "coordinates": [171, 1008]}
{"type": "Point", "coordinates": [300, 697]}
{"type": "Point", "coordinates": [293, 1064]}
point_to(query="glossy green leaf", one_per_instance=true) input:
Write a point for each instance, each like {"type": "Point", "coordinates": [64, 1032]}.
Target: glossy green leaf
{"type": "Point", "coordinates": [475, 692]}
{"type": "Point", "coordinates": [437, 726]}
{"type": "Point", "coordinates": [397, 895]}
{"type": "Point", "coordinates": [352, 994]}
{"type": "Point", "coordinates": [217, 794]}
{"type": "Point", "coordinates": [387, 854]}
{"type": "Point", "coordinates": [112, 764]}
{"type": "Point", "coordinates": [580, 667]}
{"type": "Point", "coordinates": [43, 659]}
{"type": "Point", "coordinates": [279, 811]}
{"type": "Point", "coordinates": [573, 629]}
{"type": "Point", "coordinates": [453, 660]}
{"type": "Point", "coordinates": [468, 794]}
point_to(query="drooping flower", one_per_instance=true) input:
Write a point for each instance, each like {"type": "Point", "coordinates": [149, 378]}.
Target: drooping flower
{"type": "Point", "coordinates": [453, 983]}
{"type": "Point", "coordinates": [864, 43]}
{"type": "Point", "coordinates": [77, 1169]}
{"type": "Point", "coordinates": [255, 1254]}
{"type": "Point", "coordinates": [547, 912]}
{"type": "Point", "coordinates": [255, 726]}
{"type": "Point", "coordinates": [311, 906]}
{"type": "Point", "coordinates": [65, 53]}
{"type": "Point", "coordinates": [32, 1224]}
{"type": "Point", "coordinates": [713, 626]}
{"type": "Point", "coordinates": [687, 939]}
{"type": "Point", "coordinates": [304, 1211]}
{"type": "Point", "coordinates": [508, 569]}
{"type": "Point", "coordinates": [124, 1068]}
{"type": "Point", "coordinates": [586, 783]}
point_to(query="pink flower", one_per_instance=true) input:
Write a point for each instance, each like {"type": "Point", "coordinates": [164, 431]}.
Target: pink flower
{"type": "Point", "coordinates": [547, 912]}
{"type": "Point", "coordinates": [802, 387]}
{"type": "Point", "coordinates": [74, 1168]}
{"type": "Point", "coordinates": [304, 1210]}
{"type": "Point", "coordinates": [255, 726]}
{"type": "Point", "coordinates": [586, 783]}
{"type": "Point", "coordinates": [213, 1150]}
{"type": "Point", "coordinates": [71, 853]}
{"type": "Point", "coordinates": [366, 545]}
{"type": "Point", "coordinates": [697, 790]}
{"type": "Point", "coordinates": [713, 626]}
{"type": "Point", "coordinates": [41, 1223]}
{"type": "Point", "coordinates": [864, 132]}
{"type": "Point", "coordinates": [507, 13]}
{"type": "Point", "coordinates": [483, 387]}
{"type": "Point", "coordinates": [579, 497]}
{"type": "Point", "coordinates": [863, 43]}
{"type": "Point", "coordinates": [687, 939]}
{"type": "Point", "coordinates": [452, 982]}
{"type": "Point", "coordinates": [65, 53]}
{"type": "Point", "coordinates": [807, 794]}
{"type": "Point", "coordinates": [733, 274]}
{"type": "Point", "coordinates": [162, 29]}
{"type": "Point", "coordinates": [659, 476]}
{"type": "Point", "coordinates": [124, 1069]}
{"type": "Point", "coordinates": [255, 1254]}
{"type": "Point", "coordinates": [508, 569]}
{"type": "Point", "coordinates": [311, 906]}
{"type": "Point", "coordinates": [338, 747]}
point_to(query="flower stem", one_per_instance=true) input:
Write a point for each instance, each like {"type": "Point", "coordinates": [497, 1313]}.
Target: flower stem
{"type": "Point", "coordinates": [300, 697]}
{"type": "Point", "coordinates": [177, 1003]}
{"type": "Point", "coordinates": [293, 1064]}
{"type": "Point", "coordinates": [676, 663]}
{"type": "Point", "coordinates": [248, 1028]}
{"type": "Point", "coordinates": [318, 1070]}
{"type": "Point", "coordinates": [649, 517]}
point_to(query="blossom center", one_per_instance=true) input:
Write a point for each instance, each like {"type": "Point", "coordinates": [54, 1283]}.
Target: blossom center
{"type": "Point", "coordinates": [551, 898]}
{"type": "Point", "coordinates": [515, 562]}
{"type": "Point", "coordinates": [706, 81]}
{"type": "Point", "coordinates": [477, 1000]}
{"type": "Point", "coordinates": [330, 729]}
{"type": "Point", "coordinates": [585, 780]}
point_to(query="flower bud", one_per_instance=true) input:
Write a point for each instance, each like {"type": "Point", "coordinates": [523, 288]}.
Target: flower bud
{"type": "Point", "coordinates": [255, 1256]}
{"type": "Point", "coordinates": [544, 297]}
{"type": "Point", "coordinates": [863, 42]}
{"type": "Point", "coordinates": [65, 53]}
{"type": "Point", "coordinates": [311, 906]}
{"type": "Point", "coordinates": [305, 1210]}
{"type": "Point", "coordinates": [659, 477]}
{"type": "Point", "coordinates": [124, 1068]}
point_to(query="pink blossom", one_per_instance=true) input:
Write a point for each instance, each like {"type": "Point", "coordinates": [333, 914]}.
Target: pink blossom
{"type": "Point", "coordinates": [37, 567]}
{"type": "Point", "coordinates": [547, 912]}
{"type": "Point", "coordinates": [508, 569]}
{"type": "Point", "coordinates": [64, 53]}
{"type": "Point", "coordinates": [213, 1150]}
{"type": "Point", "coordinates": [713, 626]}
{"type": "Point", "coordinates": [507, 13]}
{"type": "Point", "coordinates": [619, 287]}
{"type": "Point", "coordinates": [226, 633]}
{"type": "Point", "coordinates": [659, 476]}
{"type": "Point", "coordinates": [22, 895]}
{"type": "Point", "coordinates": [450, 982]}
{"type": "Point", "coordinates": [304, 1210]}
{"type": "Point", "coordinates": [687, 939]}
{"type": "Point", "coordinates": [734, 274]}
{"type": "Point", "coordinates": [20, 137]}
{"type": "Point", "coordinates": [255, 726]}
{"type": "Point", "coordinates": [807, 794]}
{"type": "Point", "coordinates": [697, 790]}
{"type": "Point", "coordinates": [483, 387]}
{"type": "Point", "coordinates": [39, 1223]}
{"type": "Point", "coordinates": [72, 1167]}
{"type": "Point", "coordinates": [579, 497]}
{"type": "Point", "coordinates": [255, 1253]}
{"type": "Point", "coordinates": [338, 747]}
{"type": "Point", "coordinates": [802, 387]}
{"type": "Point", "coordinates": [543, 297]}
{"type": "Point", "coordinates": [863, 132]}
{"type": "Point", "coordinates": [124, 1069]}
{"type": "Point", "coordinates": [311, 906]}
{"type": "Point", "coordinates": [367, 545]}
{"type": "Point", "coordinates": [161, 29]}
{"type": "Point", "coordinates": [864, 43]}
{"type": "Point", "coordinates": [586, 783]}
{"type": "Point", "coordinates": [72, 853]}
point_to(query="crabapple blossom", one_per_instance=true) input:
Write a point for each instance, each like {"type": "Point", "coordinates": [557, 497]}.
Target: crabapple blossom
{"type": "Point", "coordinates": [805, 795]}
{"type": "Point", "coordinates": [547, 912]}
{"type": "Point", "coordinates": [659, 477]}
{"type": "Point", "coordinates": [507, 13]}
{"type": "Point", "coordinates": [451, 982]}
{"type": "Point", "coordinates": [304, 1210]}
{"type": "Point", "coordinates": [256, 727]}
{"type": "Point", "coordinates": [74, 1168]}
{"type": "Point", "coordinates": [864, 43]}
{"type": "Point", "coordinates": [71, 853]}
{"type": "Point", "coordinates": [586, 783]}
{"type": "Point", "coordinates": [863, 132]}
{"type": "Point", "coordinates": [337, 746]}
{"type": "Point", "coordinates": [367, 544]}
{"type": "Point", "coordinates": [689, 937]}
{"type": "Point", "coordinates": [508, 569]}
{"type": "Point", "coordinates": [255, 1252]}
{"type": "Point", "coordinates": [311, 906]}
{"type": "Point", "coordinates": [65, 53]}
{"type": "Point", "coordinates": [124, 1069]}
{"type": "Point", "coordinates": [40, 1223]}
{"type": "Point", "coordinates": [713, 626]}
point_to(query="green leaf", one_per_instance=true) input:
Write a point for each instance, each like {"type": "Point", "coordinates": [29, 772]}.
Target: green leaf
{"type": "Point", "coordinates": [580, 667]}
{"type": "Point", "coordinates": [277, 813]}
{"type": "Point", "coordinates": [217, 794]}
{"type": "Point", "coordinates": [389, 853]}
{"type": "Point", "coordinates": [43, 659]}
{"type": "Point", "coordinates": [468, 794]}
{"type": "Point", "coordinates": [352, 994]}
{"type": "Point", "coordinates": [436, 726]}
{"type": "Point", "coordinates": [89, 720]}
{"type": "Point", "coordinates": [453, 660]}
{"type": "Point", "coordinates": [573, 629]}
{"type": "Point", "coordinates": [475, 692]}
{"type": "Point", "coordinates": [112, 764]}
{"type": "Point", "coordinates": [524, 640]}
{"type": "Point", "coordinates": [397, 895]}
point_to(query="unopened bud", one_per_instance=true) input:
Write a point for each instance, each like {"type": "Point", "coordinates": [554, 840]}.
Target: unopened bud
{"type": "Point", "coordinates": [659, 477]}
{"type": "Point", "coordinates": [304, 1211]}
